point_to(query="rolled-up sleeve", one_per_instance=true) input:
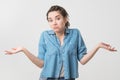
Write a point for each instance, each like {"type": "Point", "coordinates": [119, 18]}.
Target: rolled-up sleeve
{"type": "Point", "coordinates": [81, 49]}
{"type": "Point", "coordinates": [41, 47]}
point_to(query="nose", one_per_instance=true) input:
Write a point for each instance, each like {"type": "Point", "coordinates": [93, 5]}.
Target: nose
{"type": "Point", "coordinates": [54, 22]}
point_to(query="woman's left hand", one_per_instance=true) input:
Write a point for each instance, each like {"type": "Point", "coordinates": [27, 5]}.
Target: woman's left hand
{"type": "Point", "coordinates": [106, 46]}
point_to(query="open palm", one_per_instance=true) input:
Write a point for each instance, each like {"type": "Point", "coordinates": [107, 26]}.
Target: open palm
{"type": "Point", "coordinates": [107, 46]}
{"type": "Point", "coordinates": [13, 50]}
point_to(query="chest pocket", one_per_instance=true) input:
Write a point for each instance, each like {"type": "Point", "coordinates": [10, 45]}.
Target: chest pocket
{"type": "Point", "coordinates": [51, 51]}
{"type": "Point", "coordinates": [73, 48]}
{"type": "Point", "coordinates": [50, 48]}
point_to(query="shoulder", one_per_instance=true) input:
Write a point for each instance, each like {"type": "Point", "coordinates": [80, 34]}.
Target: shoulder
{"type": "Point", "coordinates": [47, 33]}
{"type": "Point", "coordinates": [74, 30]}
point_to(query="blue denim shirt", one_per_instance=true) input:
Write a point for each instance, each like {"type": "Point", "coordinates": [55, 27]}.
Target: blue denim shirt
{"type": "Point", "coordinates": [53, 54]}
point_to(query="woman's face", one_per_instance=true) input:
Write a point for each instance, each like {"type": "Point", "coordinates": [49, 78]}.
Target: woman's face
{"type": "Point", "coordinates": [56, 21]}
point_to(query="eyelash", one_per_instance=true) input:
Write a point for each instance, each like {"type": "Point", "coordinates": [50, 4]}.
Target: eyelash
{"type": "Point", "coordinates": [58, 18]}
{"type": "Point", "coordinates": [52, 20]}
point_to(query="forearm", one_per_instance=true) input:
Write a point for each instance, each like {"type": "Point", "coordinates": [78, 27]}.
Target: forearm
{"type": "Point", "coordinates": [33, 58]}
{"type": "Point", "coordinates": [89, 55]}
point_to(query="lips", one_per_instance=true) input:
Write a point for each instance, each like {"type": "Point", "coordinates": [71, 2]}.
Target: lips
{"type": "Point", "coordinates": [55, 27]}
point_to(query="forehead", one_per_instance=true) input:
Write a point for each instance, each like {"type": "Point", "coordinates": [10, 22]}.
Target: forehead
{"type": "Point", "coordinates": [54, 14]}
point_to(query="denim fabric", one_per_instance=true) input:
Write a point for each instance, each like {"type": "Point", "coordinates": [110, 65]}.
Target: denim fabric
{"type": "Point", "coordinates": [59, 79]}
{"type": "Point", "coordinates": [53, 54]}
{"type": "Point", "coordinates": [56, 79]}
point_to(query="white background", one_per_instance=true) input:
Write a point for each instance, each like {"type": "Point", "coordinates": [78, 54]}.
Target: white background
{"type": "Point", "coordinates": [22, 21]}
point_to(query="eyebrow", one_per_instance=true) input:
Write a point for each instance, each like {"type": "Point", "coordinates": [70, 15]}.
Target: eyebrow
{"type": "Point", "coordinates": [55, 16]}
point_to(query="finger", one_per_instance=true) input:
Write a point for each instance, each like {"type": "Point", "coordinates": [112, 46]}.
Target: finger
{"type": "Point", "coordinates": [8, 52]}
{"type": "Point", "coordinates": [107, 47]}
{"type": "Point", "coordinates": [14, 48]}
{"type": "Point", "coordinates": [106, 44]}
{"type": "Point", "coordinates": [112, 49]}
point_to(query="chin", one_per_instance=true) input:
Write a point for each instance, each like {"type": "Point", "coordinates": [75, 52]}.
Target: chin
{"type": "Point", "coordinates": [56, 30]}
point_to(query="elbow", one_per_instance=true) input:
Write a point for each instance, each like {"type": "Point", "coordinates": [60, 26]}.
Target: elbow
{"type": "Point", "coordinates": [40, 66]}
{"type": "Point", "coordinates": [83, 62]}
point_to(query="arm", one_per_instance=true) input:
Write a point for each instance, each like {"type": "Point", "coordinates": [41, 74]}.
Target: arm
{"type": "Point", "coordinates": [33, 58]}
{"type": "Point", "coordinates": [90, 54]}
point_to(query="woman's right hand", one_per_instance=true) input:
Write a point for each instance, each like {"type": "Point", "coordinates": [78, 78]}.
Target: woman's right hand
{"type": "Point", "coordinates": [14, 50]}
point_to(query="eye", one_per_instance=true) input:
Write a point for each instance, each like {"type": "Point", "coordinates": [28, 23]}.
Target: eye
{"type": "Point", "coordinates": [58, 18]}
{"type": "Point", "coordinates": [50, 20]}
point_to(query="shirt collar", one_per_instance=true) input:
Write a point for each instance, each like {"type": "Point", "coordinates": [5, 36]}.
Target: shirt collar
{"type": "Point", "coordinates": [51, 32]}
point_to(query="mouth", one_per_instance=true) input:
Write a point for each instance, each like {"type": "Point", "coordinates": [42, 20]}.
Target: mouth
{"type": "Point", "coordinates": [55, 27]}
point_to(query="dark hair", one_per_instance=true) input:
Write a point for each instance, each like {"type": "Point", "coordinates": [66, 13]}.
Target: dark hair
{"type": "Point", "coordinates": [62, 11]}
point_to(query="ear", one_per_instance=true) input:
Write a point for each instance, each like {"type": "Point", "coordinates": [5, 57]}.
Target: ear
{"type": "Point", "coordinates": [66, 20]}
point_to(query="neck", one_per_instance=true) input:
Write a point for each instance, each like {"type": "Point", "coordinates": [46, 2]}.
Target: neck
{"type": "Point", "coordinates": [60, 34]}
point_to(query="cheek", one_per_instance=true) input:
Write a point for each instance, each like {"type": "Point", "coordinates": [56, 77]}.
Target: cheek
{"type": "Point", "coordinates": [62, 23]}
{"type": "Point", "coordinates": [50, 23]}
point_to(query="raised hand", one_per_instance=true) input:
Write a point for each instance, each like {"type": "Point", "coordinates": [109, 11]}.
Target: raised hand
{"type": "Point", "coordinates": [106, 46]}
{"type": "Point", "coordinates": [13, 50]}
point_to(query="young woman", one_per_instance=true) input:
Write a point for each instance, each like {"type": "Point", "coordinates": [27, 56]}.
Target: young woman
{"type": "Point", "coordinates": [61, 48]}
